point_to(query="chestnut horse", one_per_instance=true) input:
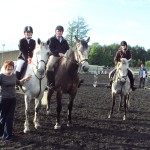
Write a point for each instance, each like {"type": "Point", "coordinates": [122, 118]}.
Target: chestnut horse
{"type": "Point", "coordinates": [66, 72]}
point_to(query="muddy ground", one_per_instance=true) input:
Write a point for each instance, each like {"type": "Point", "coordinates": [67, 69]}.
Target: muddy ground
{"type": "Point", "coordinates": [91, 129]}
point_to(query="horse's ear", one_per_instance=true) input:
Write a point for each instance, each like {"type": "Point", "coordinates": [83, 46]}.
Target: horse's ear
{"type": "Point", "coordinates": [129, 61]}
{"type": "Point", "coordinates": [76, 38]}
{"type": "Point", "coordinates": [48, 42]}
{"type": "Point", "coordinates": [88, 39]}
{"type": "Point", "coordinates": [39, 41]}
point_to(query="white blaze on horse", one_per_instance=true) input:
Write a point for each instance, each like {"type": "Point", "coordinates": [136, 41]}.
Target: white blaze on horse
{"type": "Point", "coordinates": [121, 85]}
{"type": "Point", "coordinates": [34, 88]}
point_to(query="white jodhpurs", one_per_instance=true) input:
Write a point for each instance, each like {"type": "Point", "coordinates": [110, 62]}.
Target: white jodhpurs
{"type": "Point", "coordinates": [20, 63]}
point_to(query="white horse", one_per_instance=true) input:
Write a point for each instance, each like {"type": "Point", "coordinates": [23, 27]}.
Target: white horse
{"type": "Point", "coordinates": [34, 88]}
{"type": "Point", "coordinates": [121, 85]}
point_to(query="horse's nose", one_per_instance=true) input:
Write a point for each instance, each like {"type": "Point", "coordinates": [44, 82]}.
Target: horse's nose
{"type": "Point", "coordinates": [85, 68]}
{"type": "Point", "coordinates": [123, 80]}
{"type": "Point", "coordinates": [41, 71]}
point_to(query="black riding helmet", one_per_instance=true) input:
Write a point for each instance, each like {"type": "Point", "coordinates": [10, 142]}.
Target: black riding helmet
{"type": "Point", "coordinates": [61, 28]}
{"type": "Point", "coordinates": [28, 29]}
{"type": "Point", "coordinates": [123, 43]}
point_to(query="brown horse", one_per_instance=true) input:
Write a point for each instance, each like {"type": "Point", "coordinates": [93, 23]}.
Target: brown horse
{"type": "Point", "coordinates": [66, 74]}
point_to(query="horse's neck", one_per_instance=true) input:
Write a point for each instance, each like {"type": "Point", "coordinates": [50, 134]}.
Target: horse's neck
{"type": "Point", "coordinates": [31, 68]}
{"type": "Point", "coordinates": [71, 63]}
{"type": "Point", "coordinates": [70, 55]}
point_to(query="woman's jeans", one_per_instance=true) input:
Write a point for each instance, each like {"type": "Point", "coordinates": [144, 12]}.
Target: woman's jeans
{"type": "Point", "coordinates": [7, 109]}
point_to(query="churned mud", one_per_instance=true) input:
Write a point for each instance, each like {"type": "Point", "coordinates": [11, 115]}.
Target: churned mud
{"type": "Point", "coordinates": [91, 129]}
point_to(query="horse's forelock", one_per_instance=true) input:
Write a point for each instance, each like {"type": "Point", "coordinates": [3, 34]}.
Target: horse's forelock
{"type": "Point", "coordinates": [84, 44]}
{"type": "Point", "coordinates": [124, 61]}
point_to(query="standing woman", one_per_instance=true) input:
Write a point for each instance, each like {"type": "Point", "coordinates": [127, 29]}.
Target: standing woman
{"type": "Point", "coordinates": [8, 99]}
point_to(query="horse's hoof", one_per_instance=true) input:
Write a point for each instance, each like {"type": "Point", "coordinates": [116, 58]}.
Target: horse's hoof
{"type": "Point", "coordinates": [26, 130]}
{"type": "Point", "coordinates": [48, 112]}
{"type": "Point", "coordinates": [57, 126]}
{"type": "Point", "coordinates": [124, 117]}
{"type": "Point", "coordinates": [128, 104]}
{"type": "Point", "coordinates": [37, 126]}
{"type": "Point", "coordinates": [109, 116]}
{"type": "Point", "coordinates": [69, 124]}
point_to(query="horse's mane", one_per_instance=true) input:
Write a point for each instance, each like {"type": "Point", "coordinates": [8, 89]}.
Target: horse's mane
{"type": "Point", "coordinates": [71, 50]}
{"type": "Point", "coordinates": [84, 44]}
{"type": "Point", "coordinates": [124, 61]}
{"type": "Point", "coordinates": [69, 53]}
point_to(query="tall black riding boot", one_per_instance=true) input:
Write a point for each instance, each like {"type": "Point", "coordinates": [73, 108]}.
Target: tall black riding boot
{"type": "Point", "coordinates": [50, 79]}
{"type": "Point", "coordinates": [18, 77]}
{"type": "Point", "coordinates": [130, 75]}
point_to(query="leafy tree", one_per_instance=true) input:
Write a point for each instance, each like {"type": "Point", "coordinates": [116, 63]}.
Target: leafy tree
{"type": "Point", "coordinates": [95, 55]}
{"type": "Point", "coordinates": [71, 33]}
{"type": "Point", "coordinates": [77, 28]}
{"type": "Point", "coordinates": [147, 64]}
{"type": "Point", "coordinates": [138, 53]}
{"type": "Point", "coordinates": [148, 55]}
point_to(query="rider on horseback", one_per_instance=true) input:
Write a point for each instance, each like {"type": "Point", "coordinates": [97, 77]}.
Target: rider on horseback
{"type": "Point", "coordinates": [58, 47]}
{"type": "Point", "coordinates": [123, 52]}
{"type": "Point", "coordinates": [26, 47]}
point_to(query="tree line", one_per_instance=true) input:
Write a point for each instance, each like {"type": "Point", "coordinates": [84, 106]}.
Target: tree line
{"type": "Point", "coordinates": [103, 55]}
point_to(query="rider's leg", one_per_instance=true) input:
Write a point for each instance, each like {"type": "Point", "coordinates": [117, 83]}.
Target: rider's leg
{"type": "Point", "coordinates": [20, 63]}
{"type": "Point", "coordinates": [50, 78]}
{"type": "Point", "coordinates": [143, 82]}
{"type": "Point", "coordinates": [111, 75]}
{"type": "Point", "coordinates": [140, 85]}
{"type": "Point", "coordinates": [130, 75]}
{"type": "Point", "coordinates": [50, 71]}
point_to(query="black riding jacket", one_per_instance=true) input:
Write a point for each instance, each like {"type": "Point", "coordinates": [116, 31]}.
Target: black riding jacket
{"type": "Point", "coordinates": [26, 50]}
{"type": "Point", "coordinates": [58, 47]}
{"type": "Point", "coordinates": [120, 54]}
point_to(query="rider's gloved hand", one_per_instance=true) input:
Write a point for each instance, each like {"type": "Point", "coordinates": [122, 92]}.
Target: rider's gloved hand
{"type": "Point", "coordinates": [29, 60]}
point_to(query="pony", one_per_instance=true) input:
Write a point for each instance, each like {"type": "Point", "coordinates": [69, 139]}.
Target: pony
{"type": "Point", "coordinates": [121, 85]}
{"type": "Point", "coordinates": [34, 88]}
{"type": "Point", "coordinates": [66, 74]}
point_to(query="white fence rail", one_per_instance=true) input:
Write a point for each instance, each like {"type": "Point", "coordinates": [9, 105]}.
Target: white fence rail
{"type": "Point", "coordinates": [95, 69]}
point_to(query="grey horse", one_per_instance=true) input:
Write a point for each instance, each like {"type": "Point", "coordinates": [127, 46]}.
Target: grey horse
{"type": "Point", "coordinates": [121, 85]}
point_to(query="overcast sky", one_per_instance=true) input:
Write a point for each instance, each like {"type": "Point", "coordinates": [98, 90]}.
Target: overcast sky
{"type": "Point", "coordinates": [110, 21]}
